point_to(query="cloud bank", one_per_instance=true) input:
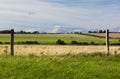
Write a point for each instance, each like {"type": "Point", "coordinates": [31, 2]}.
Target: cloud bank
{"type": "Point", "coordinates": [44, 15]}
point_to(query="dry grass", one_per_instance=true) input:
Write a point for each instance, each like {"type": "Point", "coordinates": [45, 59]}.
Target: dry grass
{"type": "Point", "coordinates": [56, 49]}
{"type": "Point", "coordinates": [113, 35]}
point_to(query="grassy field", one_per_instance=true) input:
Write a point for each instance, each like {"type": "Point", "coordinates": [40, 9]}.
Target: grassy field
{"type": "Point", "coordinates": [52, 38]}
{"type": "Point", "coordinates": [60, 67]}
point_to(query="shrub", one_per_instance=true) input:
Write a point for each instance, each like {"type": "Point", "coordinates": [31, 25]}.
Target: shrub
{"type": "Point", "coordinates": [6, 43]}
{"type": "Point", "coordinates": [28, 42]}
{"type": "Point", "coordinates": [74, 42]}
{"type": "Point", "coordinates": [31, 42]}
{"type": "Point", "coordinates": [92, 43]}
{"type": "Point", "coordinates": [116, 44]}
{"type": "Point", "coordinates": [60, 42]}
{"type": "Point", "coordinates": [83, 43]}
{"type": "Point", "coordinates": [0, 42]}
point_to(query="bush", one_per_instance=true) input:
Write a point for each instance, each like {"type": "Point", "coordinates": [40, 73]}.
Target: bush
{"type": "Point", "coordinates": [60, 42]}
{"type": "Point", "coordinates": [6, 43]}
{"type": "Point", "coordinates": [31, 42]}
{"type": "Point", "coordinates": [92, 43]}
{"type": "Point", "coordinates": [74, 42]}
{"type": "Point", "coordinates": [0, 42]}
{"type": "Point", "coordinates": [83, 43]}
{"type": "Point", "coordinates": [28, 42]}
{"type": "Point", "coordinates": [116, 44]}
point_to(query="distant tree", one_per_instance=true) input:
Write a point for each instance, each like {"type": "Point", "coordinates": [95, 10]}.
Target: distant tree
{"type": "Point", "coordinates": [104, 31]}
{"type": "Point", "coordinates": [5, 31]}
{"type": "Point", "coordinates": [74, 42]}
{"type": "Point", "coordinates": [77, 32]}
{"type": "Point", "coordinates": [92, 43]}
{"type": "Point", "coordinates": [22, 32]}
{"type": "Point", "coordinates": [60, 42]}
{"type": "Point", "coordinates": [100, 31]}
{"type": "Point", "coordinates": [89, 32]}
{"type": "Point", "coordinates": [71, 32]}
{"type": "Point", "coordinates": [35, 32]}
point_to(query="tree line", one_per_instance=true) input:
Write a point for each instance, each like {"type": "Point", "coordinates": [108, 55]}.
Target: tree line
{"type": "Point", "coordinates": [99, 31]}
{"type": "Point", "coordinates": [19, 32]}
{"type": "Point", "coordinates": [34, 32]}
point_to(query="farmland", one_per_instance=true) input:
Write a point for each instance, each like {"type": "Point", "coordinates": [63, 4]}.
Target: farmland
{"type": "Point", "coordinates": [112, 35]}
{"type": "Point", "coordinates": [47, 60]}
{"type": "Point", "coordinates": [55, 50]}
{"type": "Point", "coordinates": [52, 38]}
{"type": "Point", "coordinates": [47, 44]}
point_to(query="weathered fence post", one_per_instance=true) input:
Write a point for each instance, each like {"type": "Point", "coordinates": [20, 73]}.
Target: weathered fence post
{"type": "Point", "coordinates": [12, 42]}
{"type": "Point", "coordinates": [107, 42]}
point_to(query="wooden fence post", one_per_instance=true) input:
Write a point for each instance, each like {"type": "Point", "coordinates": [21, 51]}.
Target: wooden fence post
{"type": "Point", "coordinates": [107, 42]}
{"type": "Point", "coordinates": [12, 42]}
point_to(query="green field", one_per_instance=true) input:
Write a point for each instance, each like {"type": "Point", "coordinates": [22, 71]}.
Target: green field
{"type": "Point", "coordinates": [60, 67]}
{"type": "Point", "coordinates": [52, 38]}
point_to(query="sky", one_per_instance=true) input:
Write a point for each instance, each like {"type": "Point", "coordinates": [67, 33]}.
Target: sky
{"type": "Point", "coordinates": [59, 15]}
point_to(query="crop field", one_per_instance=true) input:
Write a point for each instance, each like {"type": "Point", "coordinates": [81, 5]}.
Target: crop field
{"type": "Point", "coordinates": [112, 35]}
{"type": "Point", "coordinates": [52, 38]}
{"type": "Point", "coordinates": [51, 50]}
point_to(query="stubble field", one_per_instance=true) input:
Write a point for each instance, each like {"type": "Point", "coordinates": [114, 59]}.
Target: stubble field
{"type": "Point", "coordinates": [112, 35]}
{"type": "Point", "coordinates": [57, 49]}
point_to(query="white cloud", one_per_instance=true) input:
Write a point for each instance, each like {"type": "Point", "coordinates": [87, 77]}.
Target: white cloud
{"type": "Point", "coordinates": [46, 14]}
{"type": "Point", "coordinates": [56, 29]}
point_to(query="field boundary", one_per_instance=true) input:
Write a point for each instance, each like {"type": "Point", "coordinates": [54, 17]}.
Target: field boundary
{"type": "Point", "coordinates": [58, 41]}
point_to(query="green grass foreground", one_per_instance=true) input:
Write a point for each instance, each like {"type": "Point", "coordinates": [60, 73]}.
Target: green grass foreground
{"type": "Point", "coordinates": [60, 67]}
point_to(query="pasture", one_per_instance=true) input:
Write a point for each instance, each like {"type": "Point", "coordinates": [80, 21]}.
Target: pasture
{"type": "Point", "coordinates": [52, 38]}
{"type": "Point", "coordinates": [60, 67]}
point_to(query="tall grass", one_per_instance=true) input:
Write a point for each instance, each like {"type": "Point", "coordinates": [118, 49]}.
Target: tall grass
{"type": "Point", "coordinates": [60, 67]}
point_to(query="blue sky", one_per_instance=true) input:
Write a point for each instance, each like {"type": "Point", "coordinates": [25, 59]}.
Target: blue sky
{"type": "Point", "coordinates": [59, 15]}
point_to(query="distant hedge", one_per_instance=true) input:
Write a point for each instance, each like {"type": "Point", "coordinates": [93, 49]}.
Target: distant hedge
{"type": "Point", "coordinates": [60, 42]}
{"type": "Point", "coordinates": [28, 42]}
{"type": "Point", "coordinates": [74, 42]}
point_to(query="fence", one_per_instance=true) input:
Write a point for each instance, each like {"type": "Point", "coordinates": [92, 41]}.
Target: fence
{"type": "Point", "coordinates": [13, 42]}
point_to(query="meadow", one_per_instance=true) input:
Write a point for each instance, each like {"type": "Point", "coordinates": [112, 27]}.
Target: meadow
{"type": "Point", "coordinates": [60, 67]}
{"type": "Point", "coordinates": [52, 38]}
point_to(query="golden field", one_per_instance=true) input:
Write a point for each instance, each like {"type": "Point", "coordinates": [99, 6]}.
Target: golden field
{"type": "Point", "coordinates": [56, 49]}
{"type": "Point", "coordinates": [112, 35]}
